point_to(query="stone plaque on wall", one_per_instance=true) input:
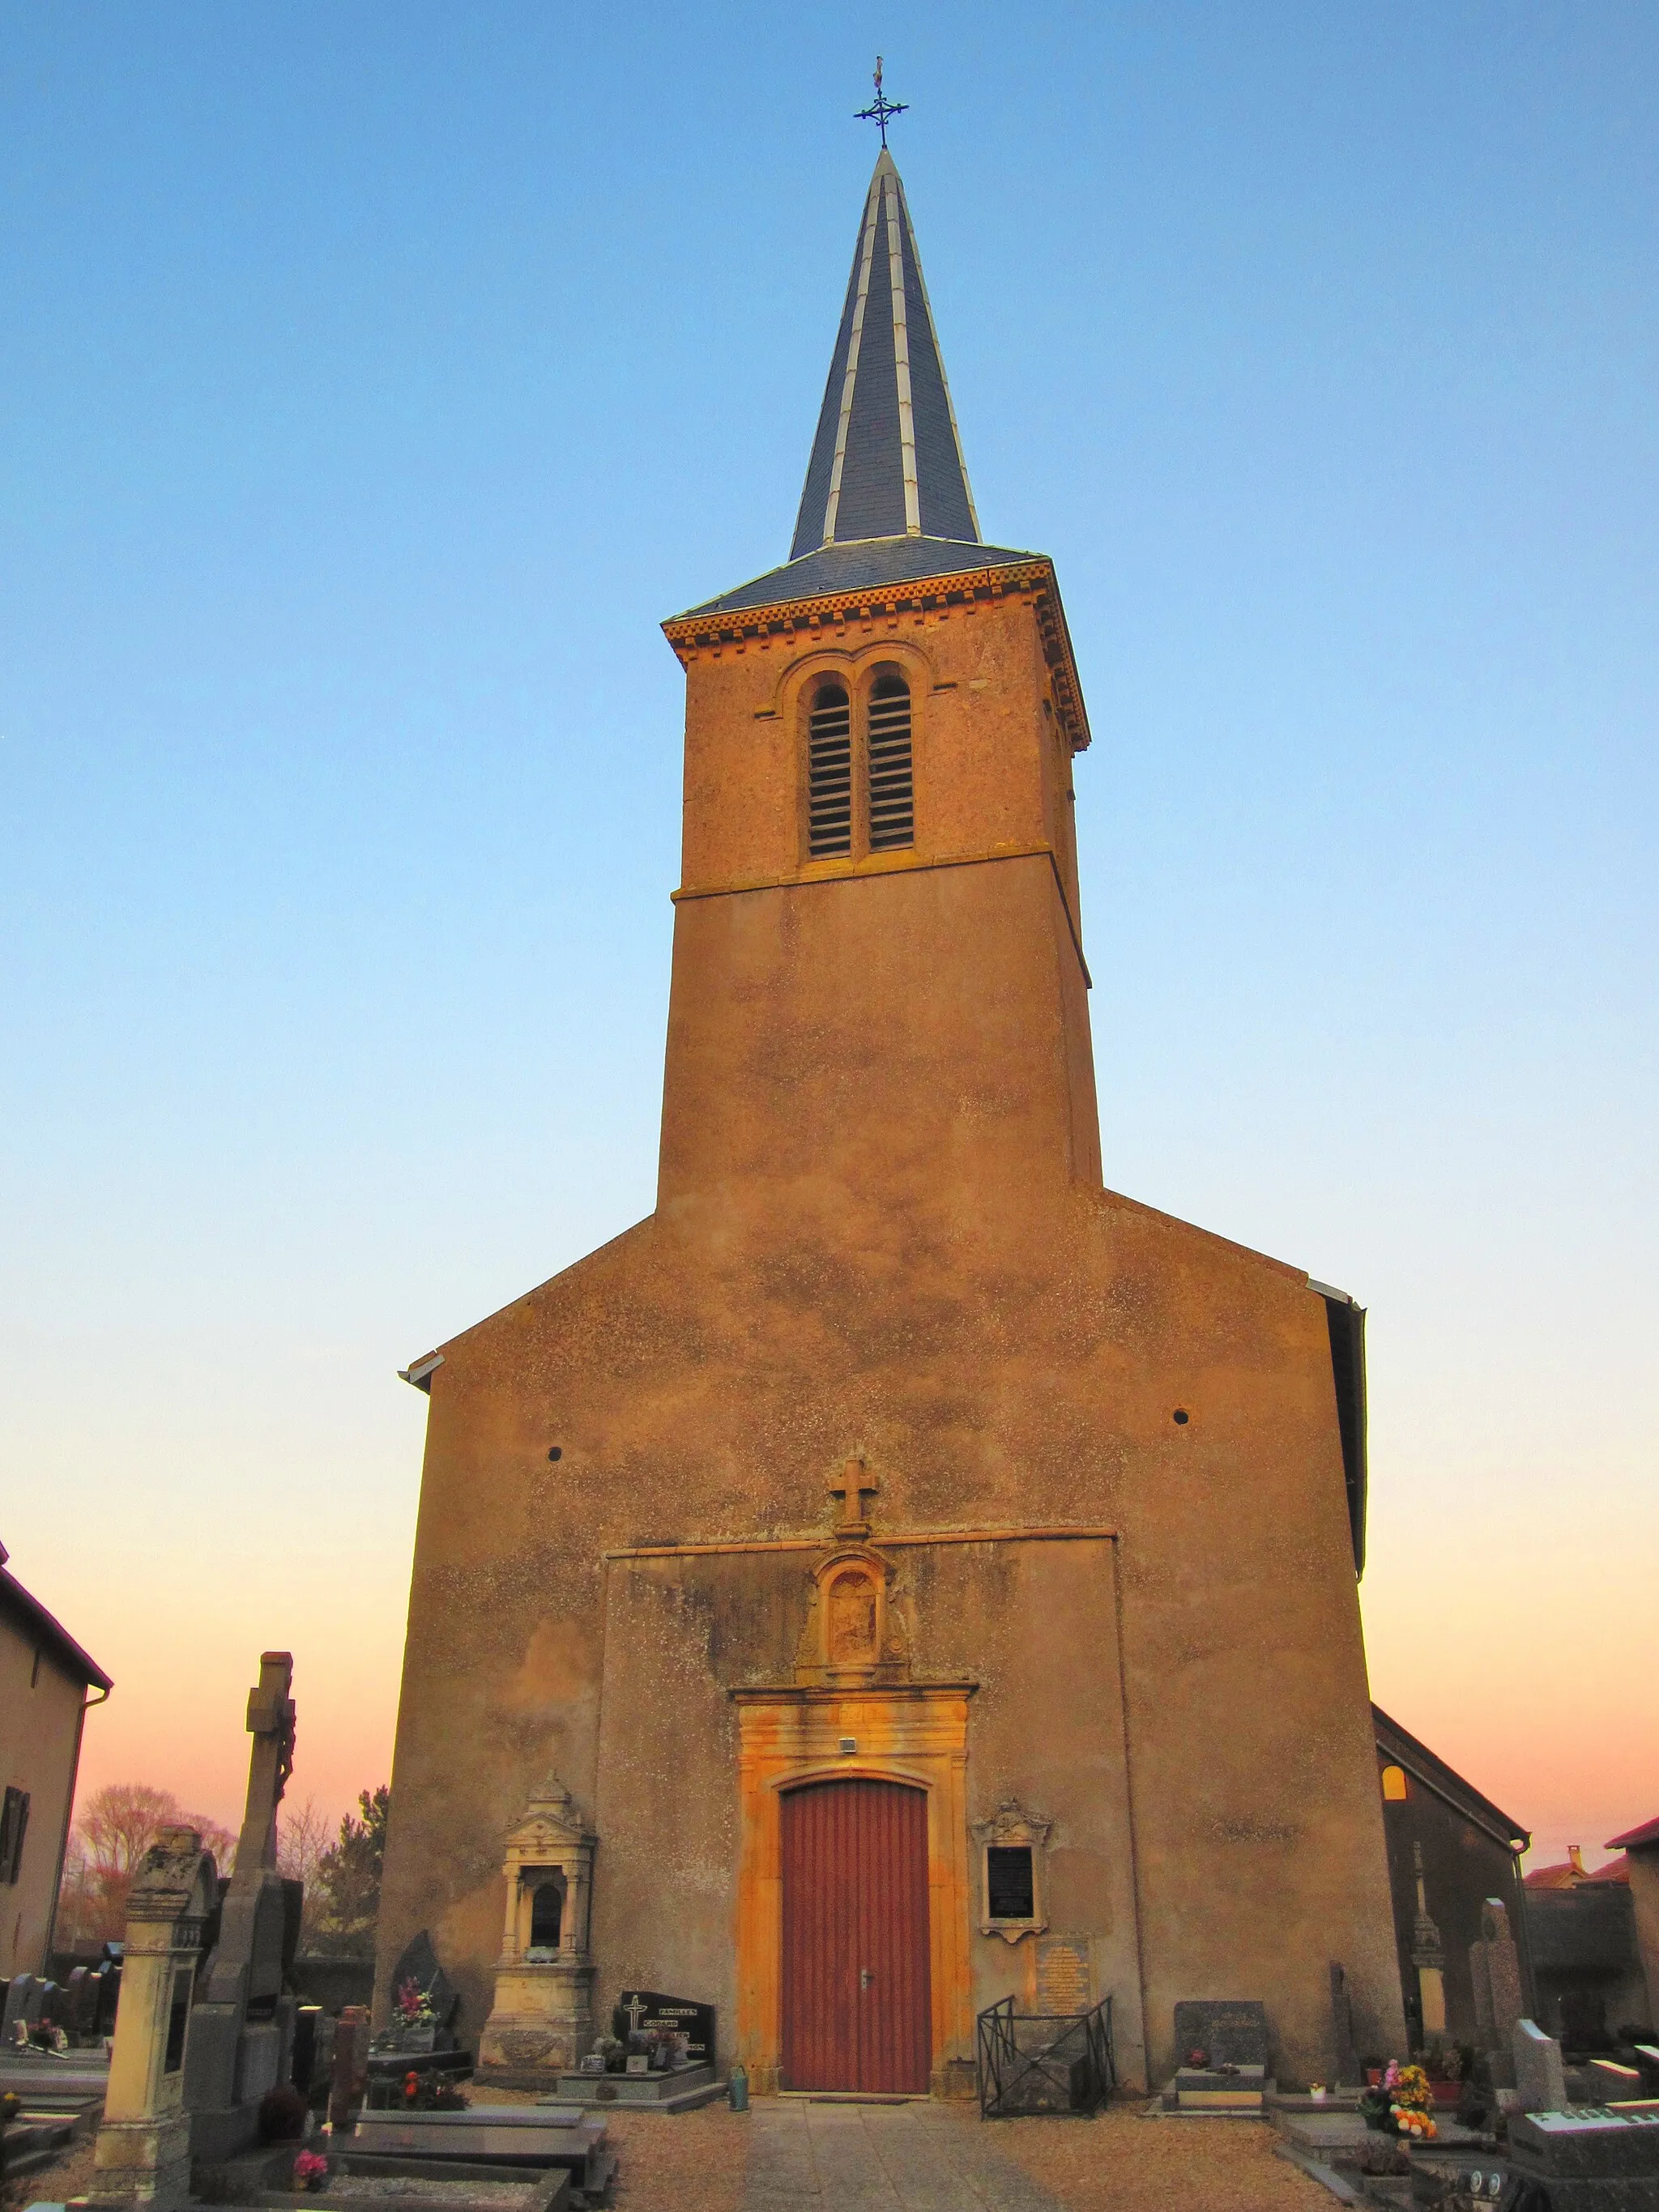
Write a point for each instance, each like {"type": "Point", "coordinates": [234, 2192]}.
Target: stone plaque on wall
{"type": "Point", "coordinates": [1064, 1984]}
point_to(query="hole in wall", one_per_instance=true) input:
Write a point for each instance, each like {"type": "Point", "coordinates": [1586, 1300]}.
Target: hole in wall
{"type": "Point", "coordinates": [557, 1451]}
{"type": "Point", "coordinates": [1181, 1417]}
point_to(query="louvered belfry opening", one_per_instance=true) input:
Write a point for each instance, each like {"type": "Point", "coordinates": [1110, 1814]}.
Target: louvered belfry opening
{"type": "Point", "coordinates": [829, 773]}
{"type": "Point", "coordinates": [892, 796]}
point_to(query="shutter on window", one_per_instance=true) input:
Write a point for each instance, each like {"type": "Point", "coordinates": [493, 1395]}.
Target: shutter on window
{"type": "Point", "coordinates": [892, 802]}
{"type": "Point", "coordinates": [830, 774]}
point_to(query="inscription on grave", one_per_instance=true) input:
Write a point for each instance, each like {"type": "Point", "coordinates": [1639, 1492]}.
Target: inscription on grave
{"type": "Point", "coordinates": [651, 2010]}
{"type": "Point", "coordinates": [1229, 2033]}
{"type": "Point", "coordinates": [1062, 1974]}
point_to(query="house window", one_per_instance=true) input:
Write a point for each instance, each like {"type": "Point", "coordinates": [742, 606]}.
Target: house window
{"type": "Point", "coordinates": [829, 773]}
{"type": "Point", "coordinates": [14, 1825]}
{"type": "Point", "coordinates": [1394, 1785]}
{"type": "Point", "coordinates": [892, 798]}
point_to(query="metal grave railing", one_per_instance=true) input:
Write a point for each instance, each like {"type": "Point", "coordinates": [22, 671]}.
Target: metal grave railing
{"type": "Point", "coordinates": [1044, 2062]}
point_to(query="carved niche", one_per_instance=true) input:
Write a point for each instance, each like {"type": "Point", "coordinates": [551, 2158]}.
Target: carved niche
{"type": "Point", "coordinates": [854, 1632]}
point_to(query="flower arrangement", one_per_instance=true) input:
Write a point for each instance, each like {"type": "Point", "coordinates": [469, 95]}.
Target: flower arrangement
{"type": "Point", "coordinates": [310, 2170]}
{"type": "Point", "coordinates": [431, 2093]}
{"type": "Point", "coordinates": [414, 2007]}
{"type": "Point", "coordinates": [1403, 2104]}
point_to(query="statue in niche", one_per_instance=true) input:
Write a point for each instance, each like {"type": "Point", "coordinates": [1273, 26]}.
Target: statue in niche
{"type": "Point", "coordinates": [852, 1620]}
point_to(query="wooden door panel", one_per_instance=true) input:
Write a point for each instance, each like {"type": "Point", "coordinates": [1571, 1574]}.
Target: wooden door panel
{"type": "Point", "coordinates": [855, 1985]}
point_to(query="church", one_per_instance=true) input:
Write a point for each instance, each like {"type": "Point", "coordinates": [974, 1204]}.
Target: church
{"type": "Point", "coordinates": [902, 1573]}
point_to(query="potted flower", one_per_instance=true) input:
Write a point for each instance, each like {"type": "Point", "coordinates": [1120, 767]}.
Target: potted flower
{"type": "Point", "coordinates": [310, 2171]}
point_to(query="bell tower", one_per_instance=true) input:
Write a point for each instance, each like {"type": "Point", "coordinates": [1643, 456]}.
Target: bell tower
{"type": "Point", "coordinates": [879, 1002]}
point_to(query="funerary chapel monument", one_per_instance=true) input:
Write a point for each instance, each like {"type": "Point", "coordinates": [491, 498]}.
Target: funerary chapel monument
{"type": "Point", "coordinates": [901, 1572]}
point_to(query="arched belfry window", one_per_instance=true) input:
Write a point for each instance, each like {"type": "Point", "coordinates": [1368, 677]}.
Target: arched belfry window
{"type": "Point", "coordinates": [829, 773]}
{"type": "Point", "coordinates": [860, 786]}
{"type": "Point", "coordinates": [892, 797]}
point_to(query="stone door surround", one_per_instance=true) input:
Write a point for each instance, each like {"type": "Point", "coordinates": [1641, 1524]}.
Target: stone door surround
{"type": "Point", "coordinates": [914, 1732]}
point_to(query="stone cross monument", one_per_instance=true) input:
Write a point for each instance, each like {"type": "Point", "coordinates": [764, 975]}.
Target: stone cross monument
{"type": "Point", "coordinates": [241, 2038]}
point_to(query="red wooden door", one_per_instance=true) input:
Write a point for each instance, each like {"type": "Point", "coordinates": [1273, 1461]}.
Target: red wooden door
{"type": "Point", "coordinates": [856, 2007]}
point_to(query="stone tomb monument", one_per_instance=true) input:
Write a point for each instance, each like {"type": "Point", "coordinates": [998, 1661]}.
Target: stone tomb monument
{"type": "Point", "coordinates": [241, 2033]}
{"type": "Point", "coordinates": [541, 2021]}
{"type": "Point", "coordinates": [144, 2144]}
{"type": "Point", "coordinates": [1584, 2160]}
{"type": "Point", "coordinates": [1495, 1968]}
{"type": "Point", "coordinates": [1221, 2050]}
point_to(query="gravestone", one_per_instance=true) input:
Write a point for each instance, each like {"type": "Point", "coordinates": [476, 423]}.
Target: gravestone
{"type": "Point", "coordinates": [23, 2004]}
{"type": "Point", "coordinates": [1346, 2064]}
{"type": "Point", "coordinates": [418, 1968]}
{"type": "Point", "coordinates": [651, 2010]}
{"type": "Point", "coordinates": [83, 2002]}
{"type": "Point", "coordinates": [348, 2082]}
{"type": "Point", "coordinates": [1540, 2082]}
{"type": "Point", "coordinates": [1613, 2084]}
{"type": "Point", "coordinates": [1495, 1970]}
{"type": "Point", "coordinates": [143, 2153]}
{"type": "Point", "coordinates": [241, 2033]}
{"type": "Point", "coordinates": [1583, 2160]}
{"type": "Point", "coordinates": [1221, 2054]}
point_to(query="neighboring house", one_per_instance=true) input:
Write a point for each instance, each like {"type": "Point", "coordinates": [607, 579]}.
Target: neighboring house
{"type": "Point", "coordinates": [1640, 1847]}
{"type": "Point", "coordinates": [1581, 1931]}
{"type": "Point", "coordinates": [44, 1676]}
{"type": "Point", "coordinates": [1450, 1850]}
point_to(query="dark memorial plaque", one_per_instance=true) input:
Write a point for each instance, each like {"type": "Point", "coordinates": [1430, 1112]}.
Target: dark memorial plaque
{"type": "Point", "coordinates": [1228, 2033]}
{"type": "Point", "coordinates": [650, 2008]}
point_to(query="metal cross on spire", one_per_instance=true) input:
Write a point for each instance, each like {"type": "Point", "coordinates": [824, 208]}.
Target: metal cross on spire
{"type": "Point", "coordinates": [883, 107]}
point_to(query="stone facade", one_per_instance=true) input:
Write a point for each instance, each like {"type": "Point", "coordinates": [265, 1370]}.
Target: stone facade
{"type": "Point", "coordinates": [1096, 1553]}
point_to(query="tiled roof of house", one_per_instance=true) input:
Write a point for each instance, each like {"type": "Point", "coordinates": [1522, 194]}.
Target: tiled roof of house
{"type": "Point", "coordinates": [1635, 1838]}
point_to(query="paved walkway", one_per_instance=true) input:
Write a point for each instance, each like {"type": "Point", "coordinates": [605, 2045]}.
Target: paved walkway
{"type": "Point", "coordinates": [879, 2158]}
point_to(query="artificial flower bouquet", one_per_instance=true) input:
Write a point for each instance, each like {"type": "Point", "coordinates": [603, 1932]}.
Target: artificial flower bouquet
{"type": "Point", "coordinates": [1403, 2104]}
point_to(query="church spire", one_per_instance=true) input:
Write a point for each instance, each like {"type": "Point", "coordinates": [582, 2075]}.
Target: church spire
{"type": "Point", "coordinates": [887, 460]}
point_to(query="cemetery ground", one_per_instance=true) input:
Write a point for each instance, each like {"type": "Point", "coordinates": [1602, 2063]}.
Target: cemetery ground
{"type": "Point", "coordinates": [785, 2155]}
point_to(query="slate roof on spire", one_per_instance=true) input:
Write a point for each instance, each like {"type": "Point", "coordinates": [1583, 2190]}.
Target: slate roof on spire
{"type": "Point", "coordinates": [886, 498]}
{"type": "Point", "coordinates": [887, 460]}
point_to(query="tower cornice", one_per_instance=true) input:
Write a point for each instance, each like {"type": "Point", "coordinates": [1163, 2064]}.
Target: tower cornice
{"type": "Point", "coordinates": [914, 603]}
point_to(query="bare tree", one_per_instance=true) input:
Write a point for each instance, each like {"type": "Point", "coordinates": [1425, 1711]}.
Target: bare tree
{"type": "Point", "coordinates": [116, 1826]}
{"type": "Point", "coordinates": [303, 1837]}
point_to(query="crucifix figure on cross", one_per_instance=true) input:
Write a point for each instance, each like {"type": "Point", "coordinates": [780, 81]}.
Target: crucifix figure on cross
{"type": "Point", "coordinates": [635, 2010]}
{"type": "Point", "coordinates": [852, 1487]}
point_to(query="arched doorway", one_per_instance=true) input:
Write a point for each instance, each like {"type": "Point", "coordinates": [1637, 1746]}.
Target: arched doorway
{"type": "Point", "coordinates": [856, 1998]}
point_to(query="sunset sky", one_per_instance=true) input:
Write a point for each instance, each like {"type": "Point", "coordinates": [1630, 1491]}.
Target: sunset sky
{"type": "Point", "coordinates": [376, 379]}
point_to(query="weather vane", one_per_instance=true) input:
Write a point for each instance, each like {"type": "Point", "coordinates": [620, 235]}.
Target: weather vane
{"type": "Point", "coordinates": [884, 107]}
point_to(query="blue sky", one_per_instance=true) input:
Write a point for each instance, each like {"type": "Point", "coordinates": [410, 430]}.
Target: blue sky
{"type": "Point", "coordinates": [375, 379]}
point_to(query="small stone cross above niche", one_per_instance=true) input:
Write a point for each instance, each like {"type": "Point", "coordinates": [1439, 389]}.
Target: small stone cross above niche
{"type": "Point", "coordinates": [851, 1488]}
{"type": "Point", "coordinates": [1013, 1845]}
